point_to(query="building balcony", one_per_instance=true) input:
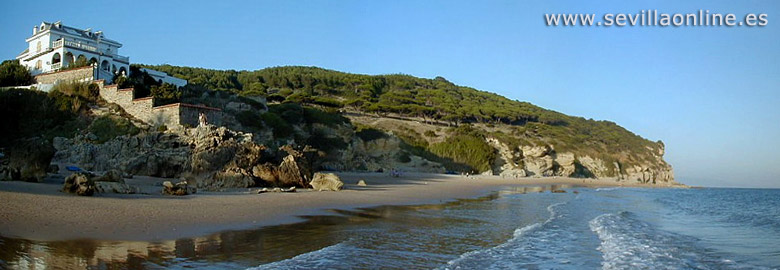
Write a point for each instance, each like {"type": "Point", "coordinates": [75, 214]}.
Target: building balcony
{"type": "Point", "coordinates": [120, 58]}
{"type": "Point", "coordinates": [79, 45]}
{"type": "Point", "coordinates": [57, 43]}
{"type": "Point", "coordinates": [56, 66]}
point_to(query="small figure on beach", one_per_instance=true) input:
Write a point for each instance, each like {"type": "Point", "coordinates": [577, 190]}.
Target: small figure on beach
{"type": "Point", "coordinates": [202, 120]}
{"type": "Point", "coordinates": [395, 173]}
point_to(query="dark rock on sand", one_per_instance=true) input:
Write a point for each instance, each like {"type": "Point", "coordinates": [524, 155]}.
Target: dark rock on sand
{"type": "Point", "coordinates": [80, 184]}
{"type": "Point", "coordinates": [179, 189]}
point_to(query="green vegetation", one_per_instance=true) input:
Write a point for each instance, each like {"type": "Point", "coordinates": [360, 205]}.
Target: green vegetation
{"type": "Point", "coordinates": [14, 74]}
{"type": "Point", "coordinates": [108, 127]}
{"type": "Point", "coordinates": [368, 134]}
{"type": "Point", "coordinates": [513, 122]}
{"type": "Point", "coordinates": [165, 93]}
{"type": "Point", "coordinates": [80, 63]}
{"type": "Point", "coordinates": [466, 146]}
{"type": "Point", "coordinates": [88, 92]}
{"type": "Point", "coordinates": [29, 113]}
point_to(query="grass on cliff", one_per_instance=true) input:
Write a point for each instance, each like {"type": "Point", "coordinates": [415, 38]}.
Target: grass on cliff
{"type": "Point", "coordinates": [30, 113]}
{"type": "Point", "coordinates": [466, 146]}
{"type": "Point", "coordinates": [107, 127]}
{"type": "Point", "coordinates": [428, 99]}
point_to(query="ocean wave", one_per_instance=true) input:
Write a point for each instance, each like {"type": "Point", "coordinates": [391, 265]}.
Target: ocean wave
{"type": "Point", "coordinates": [325, 258]}
{"type": "Point", "coordinates": [629, 243]}
{"type": "Point", "coordinates": [518, 234]}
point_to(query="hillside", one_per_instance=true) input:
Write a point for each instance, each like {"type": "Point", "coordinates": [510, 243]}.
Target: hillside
{"type": "Point", "coordinates": [469, 129]}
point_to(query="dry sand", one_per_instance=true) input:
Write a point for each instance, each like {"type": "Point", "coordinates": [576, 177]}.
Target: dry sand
{"type": "Point", "coordinates": [40, 212]}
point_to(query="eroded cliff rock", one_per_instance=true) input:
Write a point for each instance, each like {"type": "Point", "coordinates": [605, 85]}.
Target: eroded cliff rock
{"type": "Point", "coordinates": [545, 161]}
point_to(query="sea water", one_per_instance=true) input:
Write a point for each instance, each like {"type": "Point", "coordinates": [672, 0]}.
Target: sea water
{"type": "Point", "coordinates": [517, 228]}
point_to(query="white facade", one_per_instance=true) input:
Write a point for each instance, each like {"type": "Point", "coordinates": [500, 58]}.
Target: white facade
{"type": "Point", "coordinates": [54, 46]}
{"type": "Point", "coordinates": [163, 77]}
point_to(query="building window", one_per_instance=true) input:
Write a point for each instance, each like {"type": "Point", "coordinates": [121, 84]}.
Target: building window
{"type": "Point", "coordinates": [38, 64]}
{"type": "Point", "coordinates": [38, 46]}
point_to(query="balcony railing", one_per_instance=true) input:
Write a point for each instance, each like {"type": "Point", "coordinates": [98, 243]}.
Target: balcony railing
{"type": "Point", "coordinates": [57, 43]}
{"type": "Point", "coordinates": [56, 66]}
{"type": "Point", "coordinates": [79, 45]}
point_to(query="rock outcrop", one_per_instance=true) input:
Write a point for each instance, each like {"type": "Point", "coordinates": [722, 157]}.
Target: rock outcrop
{"type": "Point", "coordinates": [326, 182]}
{"type": "Point", "coordinates": [380, 154]}
{"type": "Point", "coordinates": [80, 184]}
{"type": "Point", "coordinates": [545, 161]}
{"type": "Point", "coordinates": [179, 189]}
{"type": "Point", "coordinates": [28, 160]}
{"type": "Point", "coordinates": [210, 157]}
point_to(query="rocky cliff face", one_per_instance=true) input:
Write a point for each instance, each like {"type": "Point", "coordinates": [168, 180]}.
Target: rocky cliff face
{"type": "Point", "coordinates": [544, 161]}
{"type": "Point", "coordinates": [211, 157]}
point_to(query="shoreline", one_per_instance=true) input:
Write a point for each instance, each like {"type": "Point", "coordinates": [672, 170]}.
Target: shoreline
{"type": "Point", "coordinates": [39, 212]}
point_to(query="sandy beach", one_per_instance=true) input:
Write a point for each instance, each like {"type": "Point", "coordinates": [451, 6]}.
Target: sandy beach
{"type": "Point", "coordinates": [38, 211]}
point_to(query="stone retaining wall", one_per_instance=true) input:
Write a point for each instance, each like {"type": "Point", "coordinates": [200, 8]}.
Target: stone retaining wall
{"type": "Point", "coordinates": [83, 74]}
{"type": "Point", "coordinates": [171, 115]}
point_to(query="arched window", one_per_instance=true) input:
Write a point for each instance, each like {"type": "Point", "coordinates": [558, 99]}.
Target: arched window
{"type": "Point", "coordinates": [105, 65]}
{"type": "Point", "coordinates": [56, 58]}
{"type": "Point", "coordinates": [69, 59]}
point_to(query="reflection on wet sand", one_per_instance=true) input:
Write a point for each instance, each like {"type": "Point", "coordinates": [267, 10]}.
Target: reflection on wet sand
{"type": "Point", "coordinates": [231, 249]}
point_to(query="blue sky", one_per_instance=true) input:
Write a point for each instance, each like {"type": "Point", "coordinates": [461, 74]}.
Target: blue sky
{"type": "Point", "coordinates": [712, 94]}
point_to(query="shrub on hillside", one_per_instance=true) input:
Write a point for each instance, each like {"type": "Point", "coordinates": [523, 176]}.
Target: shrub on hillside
{"type": "Point", "coordinates": [88, 91]}
{"type": "Point", "coordinates": [467, 149]}
{"type": "Point", "coordinates": [108, 127]}
{"type": "Point", "coordinates": [14, 74]}
{"type": "Point", "coordinates": [280, 127]}
{"type": "Point", "coordinates": [165, 93]}
{"type": "Point", "coordinates": [29, 113]}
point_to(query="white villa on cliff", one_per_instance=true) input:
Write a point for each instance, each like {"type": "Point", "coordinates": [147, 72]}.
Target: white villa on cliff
{"type": "Point", "coordinates": [54, 46]}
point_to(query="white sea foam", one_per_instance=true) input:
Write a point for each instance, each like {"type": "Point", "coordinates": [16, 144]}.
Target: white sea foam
{"type": "Point", "coordinates": [324, 258]}
{"type": "Point", "coordinates": [518, 234]}
{"type": "Point", "coordinates": [629, 243]}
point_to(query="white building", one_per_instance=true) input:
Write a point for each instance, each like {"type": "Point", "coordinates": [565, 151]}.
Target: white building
{"type": "Point", "coordinates": [54, 46]}
{"type": "Point", "coordinates": [163, 77]}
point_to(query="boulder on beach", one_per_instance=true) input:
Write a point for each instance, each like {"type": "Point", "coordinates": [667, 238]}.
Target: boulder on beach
{"type": "Point", "coordinates": [80, 184]}
{"type": "Point", "coordinates": [326, 181]}
{"type": "Point", "coordinates": [179, 189]}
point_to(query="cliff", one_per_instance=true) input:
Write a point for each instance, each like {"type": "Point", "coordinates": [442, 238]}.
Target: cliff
{"type": "Point", "coordinates": [346, 122]}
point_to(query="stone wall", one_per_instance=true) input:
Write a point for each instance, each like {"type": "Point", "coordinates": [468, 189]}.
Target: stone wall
{"type": "Point", "coordinates": [122, 97]}
{"type": "Point", "coordinates": [189, 114]}
{"type": "Point", "coordinates": [171, 115]}
{"type": "Point", "coordinates": [142, 109]}
{"type": "Point", "coordinates": [83, 74]}
{"type": "Point", "coordinates": [167, 115]}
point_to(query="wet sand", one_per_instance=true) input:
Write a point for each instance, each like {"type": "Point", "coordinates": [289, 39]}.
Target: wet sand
{"type": "Point", "coordinates": [40, 212]}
